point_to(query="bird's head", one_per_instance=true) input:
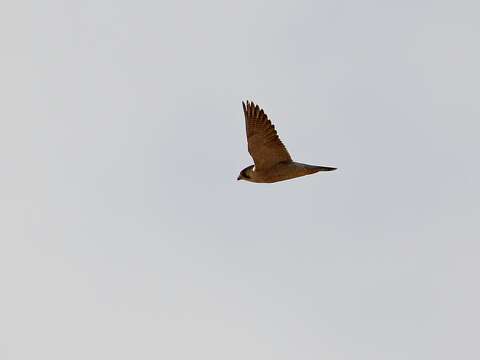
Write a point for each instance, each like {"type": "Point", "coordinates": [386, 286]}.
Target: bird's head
{"type": "Point", "coordinates": [245, 174]}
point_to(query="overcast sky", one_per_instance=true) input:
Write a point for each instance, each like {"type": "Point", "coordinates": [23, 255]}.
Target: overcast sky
{"type": "Point", "coordinates": [125, 235]}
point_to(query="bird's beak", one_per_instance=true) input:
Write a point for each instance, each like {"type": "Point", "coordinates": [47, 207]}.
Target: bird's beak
{"type": "Point", "coordinates": [239, 178]}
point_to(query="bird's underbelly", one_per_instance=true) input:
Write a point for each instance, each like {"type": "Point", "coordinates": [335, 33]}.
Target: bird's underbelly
{"type": "Point", "coordinates": [279, 172]}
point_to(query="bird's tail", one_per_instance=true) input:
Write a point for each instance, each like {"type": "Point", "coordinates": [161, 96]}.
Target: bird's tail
{"type": "Point", "coordinates": [312, 169]}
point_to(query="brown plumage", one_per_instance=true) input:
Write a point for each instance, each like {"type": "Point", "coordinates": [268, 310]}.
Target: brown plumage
{"type": "Point", "coordinates": [272, 161]}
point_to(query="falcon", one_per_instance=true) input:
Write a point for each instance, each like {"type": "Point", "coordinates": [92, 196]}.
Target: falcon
{"type": "Point", "coordinates": [272, 162]}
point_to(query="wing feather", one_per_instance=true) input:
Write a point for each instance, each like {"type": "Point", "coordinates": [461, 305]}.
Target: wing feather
{"type": "Point", "coordinates": [264, 144]}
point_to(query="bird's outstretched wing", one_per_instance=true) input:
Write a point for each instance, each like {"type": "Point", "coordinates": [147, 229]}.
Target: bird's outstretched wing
{"type": "Point", "coordinates": [264, 145]}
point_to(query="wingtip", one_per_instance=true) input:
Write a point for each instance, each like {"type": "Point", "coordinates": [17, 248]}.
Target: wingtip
{"type": "Point", "coordinates": [249, 105]}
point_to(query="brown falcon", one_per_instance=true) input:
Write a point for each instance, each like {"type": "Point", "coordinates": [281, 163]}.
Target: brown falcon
{"type": "Point", "coordinates": [272, 160]}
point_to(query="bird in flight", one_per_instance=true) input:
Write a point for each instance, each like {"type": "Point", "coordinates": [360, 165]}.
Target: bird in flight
{"type": "Point", "coordinates": [272, 161]}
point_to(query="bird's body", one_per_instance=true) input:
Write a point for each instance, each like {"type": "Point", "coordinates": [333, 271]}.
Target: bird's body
{"type": "Point", "coordinates": [281, 171]}
{"type": "Point", "coordinates": [272, 160]}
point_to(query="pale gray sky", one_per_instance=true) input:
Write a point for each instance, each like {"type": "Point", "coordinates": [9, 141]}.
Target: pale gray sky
{"type": "Point", "coordinates": [125, 235]}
